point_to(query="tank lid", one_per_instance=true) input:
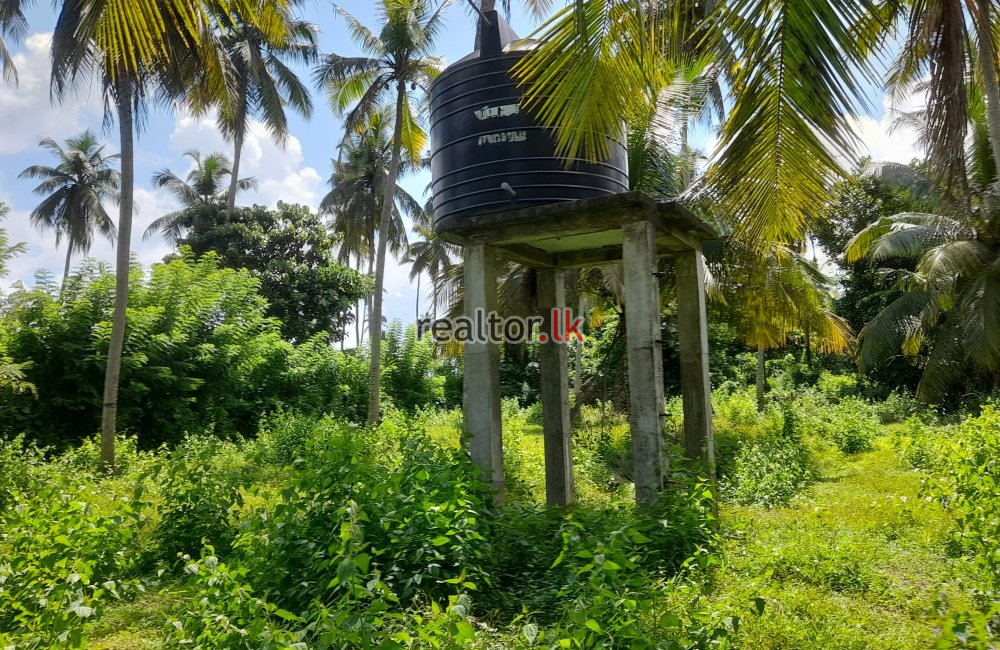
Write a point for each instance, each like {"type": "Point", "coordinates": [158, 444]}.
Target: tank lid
{"type": "Point", "coordinates": [494, 34]}
{"type": "Point", "coordinates": [494, 38]}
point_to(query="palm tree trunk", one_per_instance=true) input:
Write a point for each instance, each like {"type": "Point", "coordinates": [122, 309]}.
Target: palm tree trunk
{"type": "Point", "coordinates": [357, 324]}
{"type": "Point", "coordinates": [367, 317]}
{"type": "Point", "coordinates": [760, 377]}
{"type": "Point", "coordinates": [109, 413]}
{"type": "Point", "coordinates": [809, 356]}
{"type": "Point", "coordinates": [375, 327]}
{"type": "Point", "coordinates": [69, 254]}
{"type": "Point", "coordinates": [418, 299]}
{"type": "Point", "coordinates": [434, 302]}
{"type": "Point", "coordinates": [235, 176]}
{"type": "Point", "coordinates": [357, 313]}
{"type": "Point", "coordinates": [987, 61]}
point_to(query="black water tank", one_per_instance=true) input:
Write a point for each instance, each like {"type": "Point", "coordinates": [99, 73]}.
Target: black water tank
{"type": "Point", "coordinates": [488, 154]}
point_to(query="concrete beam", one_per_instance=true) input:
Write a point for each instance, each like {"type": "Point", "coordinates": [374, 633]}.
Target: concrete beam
{"type": "Point", "coordinates": [481, 386]}
{"type": "Point", "coordinates": [645, 360]}
{"type": "Point", "coordinates": [692, 330]}
{"type": "Point", "coordinates": [553, 365]}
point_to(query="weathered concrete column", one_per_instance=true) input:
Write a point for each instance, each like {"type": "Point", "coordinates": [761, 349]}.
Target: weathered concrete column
{"type": "Point", "coordinates": [481, 386]}
{"type": "Point", "coordinates": [645, 360]}
{"type": "Point", "coordinates": [692, 331]}
{"type": "Point", "coordinates": [553, 365]}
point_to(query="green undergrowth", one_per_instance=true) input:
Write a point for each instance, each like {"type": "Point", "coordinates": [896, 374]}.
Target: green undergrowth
{"type": "Point", "coordinates": [320, 534]}
{"type": "Point", "coordinates": [857, 562]}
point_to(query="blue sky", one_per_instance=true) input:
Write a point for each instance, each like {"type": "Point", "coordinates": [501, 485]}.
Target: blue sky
{"type": "Point", "coordinates": [296, 174]}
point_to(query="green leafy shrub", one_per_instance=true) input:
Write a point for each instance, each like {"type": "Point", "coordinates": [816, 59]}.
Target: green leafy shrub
{"type": "Point", "coordinates": [19, 464]}
{"type": "Point", "coordinates": [849, 423]}
{"type": "Point", "coordinates": [201, 353]}
{"type": "Point", "coordinates": [791, 373]}
{"type": "Point", "coordinates": [827, 562]}
{"type": "Point", "coordinates": [129, 459]}
{"type": "Point", "coordinates": [916, 445]}
{"type": "Point", "coordinates": [224, 612]}
{"type": "Point", "coordinates": [852, 432]}
{"type": "Point", "coordinates": [769, 468]}
{"type": "Point", "coordinates": [431, 526]}
{"type": "Point", "coordinates": [610, 595]}
{"type": "Point", "coordinates": [199, 488]}
{"type": "Point", "coordinates": [408, 369]}
{"type": "Point", "coordinates": [532, 567]}
{"type": "Point", "coordinates": [767, 473]}
{"type": "Point", "coordinates": [283, 437]}
{"type": "Point", "coordinates": [966, 627]}
{"type": "Point", "coordinates": [898, 406]}
{"type": "Point", "coordinates": [737, 424]}
{"type": "Point", "coordinates": [967, 484]}
{"type": "Point", "coordinates": [835, 387]}
{"type": "Point", "coordinates": [62, 561]}
{"type": "Point", "coordinates": [416, 514]}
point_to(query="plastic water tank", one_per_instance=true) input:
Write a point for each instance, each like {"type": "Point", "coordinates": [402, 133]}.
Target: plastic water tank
{"type": "Point", "coordinates": [488, 154]}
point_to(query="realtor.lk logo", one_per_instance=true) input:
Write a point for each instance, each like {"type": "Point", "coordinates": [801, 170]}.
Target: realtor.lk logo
{"type": "Point", "coordinates": [494, 328]}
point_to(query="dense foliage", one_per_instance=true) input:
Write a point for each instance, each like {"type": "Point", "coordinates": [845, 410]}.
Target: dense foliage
{"type": "Point", "coordinates": [201, 352]}
{"type": "Point", "coordinates": [249, 508]}
{"type": "Point", "coordinates": [291, 252]}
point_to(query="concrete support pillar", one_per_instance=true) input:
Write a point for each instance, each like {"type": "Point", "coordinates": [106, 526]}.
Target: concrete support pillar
{"type": "Point", "coordinates": [692, 330]}
{"type": "Point", "coordinates": [481, 386]}
{"type": "Point", "coordinates": [645, 360]}
{"type": "Point", "coordinates": [553, 362]}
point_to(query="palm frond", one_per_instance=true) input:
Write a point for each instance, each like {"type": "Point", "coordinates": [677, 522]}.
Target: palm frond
{"type": "Point", "coordinates": [797, 73]}
{"type": "Point", "coordinates": [594, 60]}
{"type": "Point", "coordinates": [885, 335]}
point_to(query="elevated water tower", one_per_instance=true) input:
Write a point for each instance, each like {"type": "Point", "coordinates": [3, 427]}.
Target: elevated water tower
{"type": "Point", "coordinates": [500, 191]}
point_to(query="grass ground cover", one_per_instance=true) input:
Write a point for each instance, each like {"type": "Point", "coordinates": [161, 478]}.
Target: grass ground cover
{"type": "Point", "coordinates": [856, 561]}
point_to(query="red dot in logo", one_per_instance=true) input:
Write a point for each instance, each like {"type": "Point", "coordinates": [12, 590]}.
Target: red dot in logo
{"type": "Point", "coordinates": [543, 337]}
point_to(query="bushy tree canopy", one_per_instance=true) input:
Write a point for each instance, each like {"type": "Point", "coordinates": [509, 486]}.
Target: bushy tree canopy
{"type": "Point", "coordinates": [290, 252]}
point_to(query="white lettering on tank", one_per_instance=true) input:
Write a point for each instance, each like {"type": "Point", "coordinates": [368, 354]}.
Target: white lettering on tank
{"type": "Point", "coordinates": [503, 136]}
{"type": "Point", "coordinates": [488, 112]}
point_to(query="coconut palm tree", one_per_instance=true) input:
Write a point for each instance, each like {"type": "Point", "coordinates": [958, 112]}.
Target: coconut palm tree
{"type": "Point", "coordinates": [13, 26]}
{"type": "Point", "coordinates": [949, 309]}
{"type": "Point", "coordinates": [944, 55]}
{"type": "Point", "coordinates": [260, 83]}
{"type": "Point", "coordinates": [950, 305]}
{"type": "Point", "coordinates": [357, 189]}
{"type": "Point", "coordinates": [433, 256]}
{"type": "Point", "coordinates": [397, 62]}
{"type": "Point", "coordinates": [354, 201]}
{"type": "Point", "coordinates": [769, 296]}
{"type": "Point", "coordinates": [134, 49]}
{"type": "Point", "coordinates": [75, 192]}
{"type": "Point", "coordinates": [206, 185]}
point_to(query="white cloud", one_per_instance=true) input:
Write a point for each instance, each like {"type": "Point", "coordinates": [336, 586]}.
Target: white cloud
{"type": "Point", "coordinates": [28, 113]}
{"type": "Point", "coordinates": [884, 142]}
{"type": "Point", "coordinates": [43, 253]}
{"type": "Point", "coordinates": [280, 172]}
